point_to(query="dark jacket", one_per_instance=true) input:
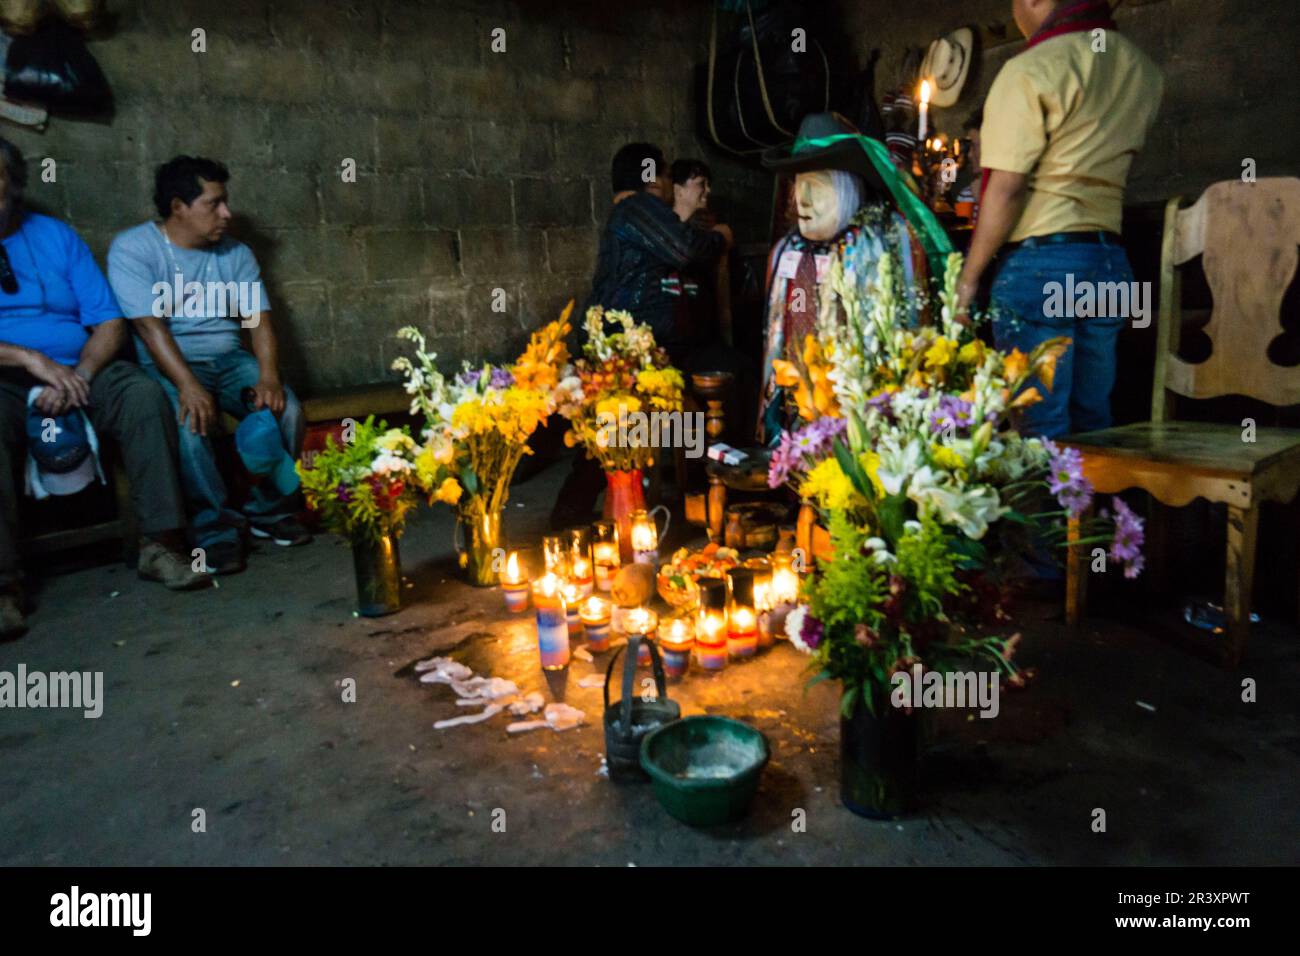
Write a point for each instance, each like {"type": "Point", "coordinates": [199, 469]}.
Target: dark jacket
{"type": "Point", "coordinates": [642, 251]}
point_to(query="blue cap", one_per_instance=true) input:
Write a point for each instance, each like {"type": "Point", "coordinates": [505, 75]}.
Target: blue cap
{"type": "Point", "coordinates": [262, 450]}
{"type": "Point", "coordinates": [58, 443]}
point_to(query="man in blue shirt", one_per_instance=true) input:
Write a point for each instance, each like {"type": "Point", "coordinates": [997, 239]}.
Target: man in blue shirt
{"type": "Point", "coordinates": [188, 289]}
{"type": "Point", "coordinates": [61, 330]}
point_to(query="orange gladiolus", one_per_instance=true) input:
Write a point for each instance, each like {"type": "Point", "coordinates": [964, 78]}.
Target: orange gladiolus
{"type": "Point", "coordinates": [1015, 366]}
{"type": "Point", "coordinates": [1030, 396]}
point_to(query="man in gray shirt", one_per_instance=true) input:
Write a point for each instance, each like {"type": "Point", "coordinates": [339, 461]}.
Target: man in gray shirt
{"type": "Point", "coordinates": [188, 288]}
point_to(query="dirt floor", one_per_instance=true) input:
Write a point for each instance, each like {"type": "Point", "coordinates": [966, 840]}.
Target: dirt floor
{"type": "Point", "coordinates": [229, 700]}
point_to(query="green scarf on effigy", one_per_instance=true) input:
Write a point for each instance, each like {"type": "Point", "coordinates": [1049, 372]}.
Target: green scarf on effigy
{"type": "Point", "coordinates": [933, 239]}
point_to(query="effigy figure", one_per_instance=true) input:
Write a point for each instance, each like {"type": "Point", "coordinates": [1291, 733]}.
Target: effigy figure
{"type": "Point", "coordinates": [854, 207]}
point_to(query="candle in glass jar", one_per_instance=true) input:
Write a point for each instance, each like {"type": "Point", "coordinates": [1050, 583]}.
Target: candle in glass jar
{"type": "Point", "coordinates": [595, 620]}
{"type": "Point", "coordinates": [573, 608]}
{"type": "Point", "coordinates": [645, 539]}
{"type": "Point", "coordinates": [642, 621]}
{"type": "Point", "coordinates": [556, 556]}
{"type": "Point", "coordinates": [606, 561]}
{"type": "Point", "coordinates": [676, 639]}
{"type": "Point", "coordinates": [552, 622]}
{"type": "Point", "coordinates": [579, 555]}
{"type": "Point", "coordinates": [742, 617]}
{"type": "Point", "coordinates": [580, 575]}
{"type": "Point", "coordinates": [711, 625]}
{"type": "Point", "coordinates": [514, 584]}
{"type": "Point", "coordinates": [605, 554]}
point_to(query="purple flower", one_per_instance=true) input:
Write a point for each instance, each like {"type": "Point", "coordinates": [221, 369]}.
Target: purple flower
{"type": "Point", "coordinates": [953, 412]}
{"type": "Point", "coordinates": [1065, 478]}
{"type": "Point", "coordinates": [883, 403]}
{"type": "Point", "coordinates": [812, 632]}
{"type": "Point", "coordinates": [469, 377]}
{"type": "Point", "coordinates": [783, 461]}
{"type": "Point", "coordinates": [501, 378]}
{"type": "Point", "coordinates": [814, 440]}
{"type": "Point", "coordinates": [1126, 547]}
{"type": "Point", "coordinates": [343, 493]}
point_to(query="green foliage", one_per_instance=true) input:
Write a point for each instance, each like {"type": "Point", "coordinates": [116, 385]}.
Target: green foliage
{"type": "Point", "coordinates": [926, 562]}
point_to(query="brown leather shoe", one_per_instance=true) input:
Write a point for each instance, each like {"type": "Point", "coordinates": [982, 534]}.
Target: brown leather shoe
{"type": "Point", "coordinates": [160, 563]}
{"type": "Point", "coordinates": [12, 622]}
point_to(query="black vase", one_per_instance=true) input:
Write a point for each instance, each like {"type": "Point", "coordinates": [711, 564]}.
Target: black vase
{"type": "Point", "coordinates": [878, 760]}
{"type": "Point", "coordinates": [379, 576]}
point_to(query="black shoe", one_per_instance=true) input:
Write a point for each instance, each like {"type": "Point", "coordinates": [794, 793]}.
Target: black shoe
{"type": "Point", "coordinates": [224, 557]}
{"type": "Point", "coordinates": [287, 532]}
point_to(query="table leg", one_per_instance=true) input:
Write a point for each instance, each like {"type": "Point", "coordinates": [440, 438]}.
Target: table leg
{"type": "Point", "coordinates": [1239, 574]}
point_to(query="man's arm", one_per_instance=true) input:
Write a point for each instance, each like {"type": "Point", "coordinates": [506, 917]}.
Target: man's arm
{"type": "Point", "coordinates": [269, 391]}
{"type": "Point", "coordinates": [1003, 202]}
{"type": "Point", "coordinates": [195, 407]}
{"type": "Point", "coordinates": [134, 283]}
{"type": "Point", "coordinates": [61, 379]}
{"type": "Point", "coordinates": [674, 242]}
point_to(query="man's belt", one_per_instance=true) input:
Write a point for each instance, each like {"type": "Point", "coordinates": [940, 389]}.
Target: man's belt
{"type": "Point", "coordinates": [1064, 238]}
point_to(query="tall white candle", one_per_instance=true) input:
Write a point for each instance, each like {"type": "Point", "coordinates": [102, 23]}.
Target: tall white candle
{"type": "Point", "coordinates": [925, 110]}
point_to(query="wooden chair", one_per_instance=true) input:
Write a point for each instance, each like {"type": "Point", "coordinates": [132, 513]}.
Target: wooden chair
{"type": "Point", "coordinates": [1247, 236]}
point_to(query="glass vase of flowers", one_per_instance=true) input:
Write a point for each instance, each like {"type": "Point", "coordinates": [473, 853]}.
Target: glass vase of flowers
{"type": "Point", "coordinates": [363, 489]}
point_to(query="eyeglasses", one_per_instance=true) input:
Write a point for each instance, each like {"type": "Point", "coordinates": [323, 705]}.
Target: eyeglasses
{"type": "Point", "coordinates": [8, 281]}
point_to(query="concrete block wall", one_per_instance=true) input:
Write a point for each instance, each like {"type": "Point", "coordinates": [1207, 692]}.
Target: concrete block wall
{"type": "Point", "coordinates": [1230, 70]}
{"type": "Point", "coordinates": [475, 170]}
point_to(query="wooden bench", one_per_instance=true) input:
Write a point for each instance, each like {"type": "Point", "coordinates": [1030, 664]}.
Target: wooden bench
{"type": "Point", "coordinates": [334, 405]}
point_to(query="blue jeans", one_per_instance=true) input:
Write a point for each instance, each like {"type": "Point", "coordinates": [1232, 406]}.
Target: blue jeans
{"type": "Point", "coordinates": [1085, 375]}
{"type": "Point", "coordinates": [205, 493]}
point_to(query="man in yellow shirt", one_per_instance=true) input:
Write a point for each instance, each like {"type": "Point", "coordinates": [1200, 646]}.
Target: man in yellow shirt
{"type": "Point", "coordinates": [1062, 124]}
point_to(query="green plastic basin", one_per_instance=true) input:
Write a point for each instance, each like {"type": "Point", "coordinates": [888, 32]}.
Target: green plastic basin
{"type": "Point", "coordinates": [705, 770]}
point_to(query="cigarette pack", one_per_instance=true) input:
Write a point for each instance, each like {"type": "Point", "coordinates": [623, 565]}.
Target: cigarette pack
{"type": "Point", "coordinates": [726, 454]}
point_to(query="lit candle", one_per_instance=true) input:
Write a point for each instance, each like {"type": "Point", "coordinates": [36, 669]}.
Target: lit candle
{"type": "Point", "coordinates": [676, 638]}
{"type": "Point", "coordinates": [645, 539]}
{"type": "Point", "coordinates": [514, 584]}
{"type": "Point", "coordinates": [783, 592]}
{"type": "Point", "coordinates": [552, 622]}
{"type": "Point", "coordinates": [784, 588]}
{"type": "Point", "coordinates": [579, 556]}
{"type": "Point", "coordinates": [606, 560]}
{"type": "Point", "coordinates": [580, 575]}
{"type": "Point", "coordinates": [711, 625]}
{"type": "Point", "coordinates": [572, 608]}
{"type": "Point", "coordinates": [641, 622]}
{"type": "Point", "coordinates": [742, 618]}
{"type": "Point", "coordinates": [595, 620]}
{"type": "Point", "coordinates": [925, 110]}
{"type": "Point", "coordinates": [556, 555]}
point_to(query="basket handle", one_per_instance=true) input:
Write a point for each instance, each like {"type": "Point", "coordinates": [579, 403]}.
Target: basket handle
{"type": "Point", "coordinates": [629, 673]}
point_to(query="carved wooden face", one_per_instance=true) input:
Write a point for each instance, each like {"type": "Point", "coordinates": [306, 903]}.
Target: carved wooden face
{"type": "Point", "coordinates": [818, 202]}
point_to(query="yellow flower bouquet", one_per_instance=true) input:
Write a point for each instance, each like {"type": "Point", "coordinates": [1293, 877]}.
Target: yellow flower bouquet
{"type": "Point", "coordinates": [622, 380]}
{"type": "Point", "coordinates": [477, 426]}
